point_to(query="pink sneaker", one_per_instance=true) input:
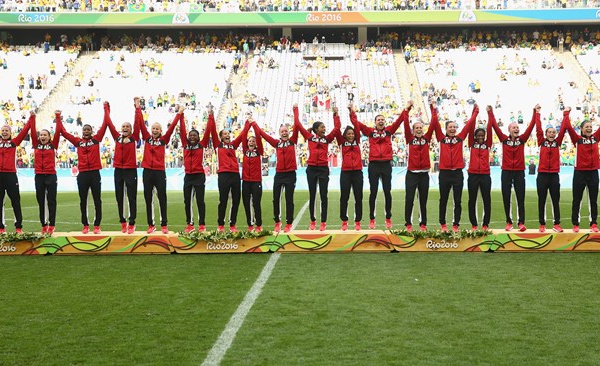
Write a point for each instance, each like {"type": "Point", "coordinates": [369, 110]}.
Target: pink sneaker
{"type": "Point", "coordinates": [445, 228]}
{"type": "Point", "coordinates": [50, 230]}
{"type": "Point", "coordinates": [344, 225]}
{"type": "Point", "coordinates": [44, 229]}
{"type": "Point", "coordinates": [19, 230]}
{"type": "Point", "coordinates": [542, 228]}
{"type": "Point", "coordinates": [323, 226]}
{"type": "Point", "coordinates": [508, 227]}
{"type": "Point", "coordinates": [557, 228]}
{"type": "Point", "coordinates": [474, 228]}
{"type": "Point", "coordinates": [423, 228]}
{"type": "Point", "coordinates": [85, 230]}
{"type": "Point", "coordinates": [594, 228]}
{"type": "Point", "coordinates": [575, 228]}
{"type": "Point", "coordinates": [164, 229]}
{"type": "Point", "coordinates": [357, 226]}
{"type": "Point", "coordinates": [233, 229]}
{"type": "Point", "coordinates": [372, 224]}
{"type": "Point", "coordinates": [455, 228]}
{"type": "Point", "coordinates": [130, 229]}
{"type": "Point", "coordinates": [151, 229]}
{"type": "Point", "coordinates": [220, 228]}
{"type": "Point", "coordinates": [409, 228]}
{"type": "Point", "coordinates": [313, 225]}
{"type": "Point", "coordinates": [188, 229]}
{"type": "Point", "coordinates": [123, 227]}
{"type": "Point", "coordinates": [250, 228]}
{"type": "Point", "coordinates": [201, 228]}
{"type": "Point", "coordinates": [288, 228]}
{"type": "Point", "coordinates": [258, 229]}
{"type": "Point", "coordinates": [388, 223]}
{"type": "Point", "coordinates": [522, 227]}
{"type": "Point", "coordinates": [277, 227]}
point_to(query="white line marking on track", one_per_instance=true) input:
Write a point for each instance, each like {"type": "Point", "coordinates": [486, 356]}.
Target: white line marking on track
{"type": "Point", "coordinates": [219, 349]}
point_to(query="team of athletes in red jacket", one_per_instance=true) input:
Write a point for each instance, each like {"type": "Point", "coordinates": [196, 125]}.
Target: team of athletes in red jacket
{"type": "Point", "coordinates": [248, 187]}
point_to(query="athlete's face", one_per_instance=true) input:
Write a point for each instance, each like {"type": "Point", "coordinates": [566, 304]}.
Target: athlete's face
{"type": "Point", "coordinates": [451, 129]}
{"type": "Point", "coordinates": [44, 136]}
{"type": "Point", "coordinates": [156, 130]}
{"type": "Point", "coordinates": [480, 137]}
{"type": "Point", "coordinates": [380, 122]}
{"type": "Point", "coordinates": [225, 136]}
{"type": "Point", "coordinates": [321, 130]}
{"type": "Point", "coordinates": [551, 134]}
{"type": "Point", "coordinates": [350, 136]}
{"type": "Point", "coordinates": [251, 142]}
{"type": "Point", "coordinates": [418, 129]}
{"type": "Point", "coordinates": [513, 129]}
{"type": "Point", "coordinates": [86, 132]}
{"type": "Point", "coordinates": [284, 132]}
{"type": "Point", "coordinates": [193, 137]}
{"type": "Point", "coordinates": [5, 132]}
{"type": "Point", "coordinates": [586, 129]}
{"type": "Point", "coordinates": [126, 129]}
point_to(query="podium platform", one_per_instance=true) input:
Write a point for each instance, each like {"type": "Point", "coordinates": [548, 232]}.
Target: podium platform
{"type": "Point", "coordinates": [301, 241]}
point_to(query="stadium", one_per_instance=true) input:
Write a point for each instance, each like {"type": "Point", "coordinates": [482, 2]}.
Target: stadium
{"type": "Point", "coordinates": [178, 112]}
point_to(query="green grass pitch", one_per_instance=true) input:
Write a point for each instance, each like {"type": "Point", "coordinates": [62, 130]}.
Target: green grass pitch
{"type": "Point", "coordinates": [319, 309]}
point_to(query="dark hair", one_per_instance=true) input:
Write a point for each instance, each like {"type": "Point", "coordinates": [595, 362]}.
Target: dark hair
{"type": "Point", "coordinates": [549, 128]}
{"type": "Point", "coordinates": [479, 130]}
{"type": "Point", "coordinates": [193, 130]}
{"type": "Point", "coordinates": [87, 125]}
{"type": "Point", "coordinates": [315, 126]}
{"type": "Point", "coordinates": [348, 128]}
{"type": "Point", "coordinates": [448, 122]}
{"type": "Point", "coordinates": [584, 122]}
{"type": "Point", "coordinates": [221, 133]}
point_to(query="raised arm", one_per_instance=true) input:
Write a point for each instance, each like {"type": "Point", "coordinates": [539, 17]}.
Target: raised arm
{"type": "Point", "coordinates": [563, 126]}
{"type": "Point", "coordinates": [408, 136]}
{"type": "Point", "coordinates": [432, 124]}
{"type": "Point", "coordinates": [33, 128]}
{"type": "Point", "coordinates": [525, 136]}
{"type": "Point", "coordinates": [394, 126]}
{"type": "Point", "coordinates": [470, 123]}
{"type": "Point", "coordinates": [499, 133]}
{"type": "Point", "coordinates": [298, 124]}
{"type": "Point", "coordinates": [270, 140]}
{"type": "Point", "coordinates": [167, 136]}
{"type": "Point", "coordinates": [539, 132]}
{"type": "Point", "coordinates": [139, 120]}
{"type": "Point", "coordinates": [243, 136]}
{"type": "Point", "coordinates": [207, 132]}
{"type": "Point", "coordinates": [572, 134]}
{"type": "Point", "coordinates": [183, 132]}
{"type": "Point", "coordinates": [111, 127]}
{"type": "Point", "coordinates": [259, 144]}
{"type": "Point", "coordinates": [337, 125]}
{"type": "Point", "coordinates": [56, 137]}
{"type": "Point", "coordinates": [489, 139]}
{"type": "Point", "coordinates": [21, 136]}
{"type": "Point", "coordinates": [294, 137]}
{"type": "Point", "coordinates": [359, 126]}
{"type": "Point", "coordinates": [100, 134]}
{"type": "Point", "coordinates": [216, 141]}
{"type": "Point", "coordinates": [437, 127]}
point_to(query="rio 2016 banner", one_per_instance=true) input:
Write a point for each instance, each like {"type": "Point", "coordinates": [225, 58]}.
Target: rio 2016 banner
{"type": "Point", "coordinates": [365, 18]}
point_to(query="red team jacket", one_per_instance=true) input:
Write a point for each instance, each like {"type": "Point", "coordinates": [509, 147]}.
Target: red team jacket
{"type": "Point", "coordinates": [513, 151]}
{"type": "Point", "coordinates": [351, 154]}
{"type": "Point", "coordinates": [252, 163]}
{"type": "Point", "coordinates": [154, 148]}
{"type": "Point", "coordinates": [8, 149]}
{"type": "Point", "coordinates": [479, 154]}
{"type": "Point", "coordinates": [286, 150]}
{"type": "Point", "coordinates": [380, 142]}
{"type": "Point", "coordinates": [418, 147]}
{"type": "Point", "coordinates": [88, 150]}
{"type": "Point", "coordinates": [226, 158]}
{"type": "Point", "coordinates": [44, 154]}
{"type": "Point", "coordinates": [318, 147]}
{"type": "Point", "coordinates": [451, 148]}
{"type": "Point", "coordinates": [193, 155]}
{"type": "Point", "coordinates": [550, 150]}
{"type": "Point", "coordinates": [587, 149]}
{"type": "Point", "coordinates": [125, 155]}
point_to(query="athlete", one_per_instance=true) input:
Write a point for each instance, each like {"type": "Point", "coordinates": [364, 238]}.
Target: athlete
{"type": "Point", "coordinates": [380, 160]}
{"type": "Point", "coordinates": [513, 167]}
{"type": "Point", "coordinates": [548, 179]}
{"type": "Point", "coordinates": [285, 172]}
{"type": "Point", "coordinates": [229, 175]}
{"type": "Point", "coordinates": [317, 171]}
{"type": "Point", "coordinates": [586, 172]}
{"type": "Point", "coordinates": [480, 144]}
{"type": "Point", "coordinates": [252, 177]}
{"type": "Point", "coordinates": [351, 176]}
{"type": "Point", "coordinates": [44, 166]}
{"type": "Point", "coordinates": [125, 164]}
{"type": "Point", "coordinates": [419, 164]}
{"type": "Point", "coordinates": [451, 165]}
{"type": "Point", "coordinates": [154, 176]}
{"type": "Point", "coordinates": [193, 164]}
{"type": "Point", "coordinates": [89, 165]}
{"type": "Point", "coordinates": [9, 183]}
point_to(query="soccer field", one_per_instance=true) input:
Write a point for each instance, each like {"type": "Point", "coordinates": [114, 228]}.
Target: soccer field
{"type": "Point", "coordinates": [319, 309]}
{"type": "Point", "coordinates": [315, 309]}
{"type": "Point", "coordinates": [68, 214]}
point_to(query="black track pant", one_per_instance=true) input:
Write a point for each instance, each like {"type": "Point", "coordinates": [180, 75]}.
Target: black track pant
{"type": "Point", "coordinates": [317, 175]}
{"type": "Point", "coordinates": [86, 181]}
{"type": "Point", "coordinates": [451, 180]}
{"type": "Point", "coordinates": [155, 179]}
{"type": "Point", "coordinates": [126, 183]}
{"type": "Point", "coordinates": [285, 180]}
{"type": "Point", "coordinates": [549, 182]}
{"type": "Point", "coordinates": [513, 178]}
{"type": "Point", "coordinates": [9, 185]}
{"type": "Point", "coordinates": [229, 182]}
{"type": "Point", "coordinates": [483, 183]}
{"type": "Point", "coordinates": [194, 185]}
{"type": "Point", "coordinates": [45, 193]}
{"type": "Point", "coordinates": [251, 196]}
{"type": "Point", "coordinates": [351, 179]}
{"type": "Point", "coordinates": [581, 180]}
{"type": "Point", "coordinates": [380, 170]}
{"type": "Point", "coordinates": [414, 182]}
